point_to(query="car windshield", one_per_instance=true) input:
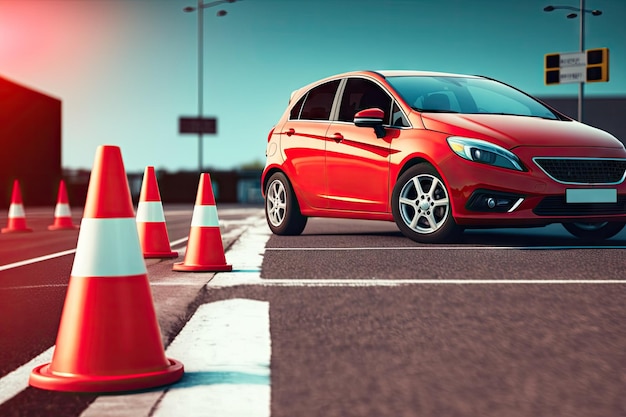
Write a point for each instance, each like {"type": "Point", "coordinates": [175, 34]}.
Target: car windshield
{"type": "Point", "coordinates": [467, 95]}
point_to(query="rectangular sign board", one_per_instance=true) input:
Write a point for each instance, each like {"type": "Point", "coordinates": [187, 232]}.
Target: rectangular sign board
{"type": "Point", "coordinates": [197, 125]}
{"type": "Point", "coordinates": [572, 74]}
{"type": "Point", "coordinates": [573, 59]}
{"type": "Point", "coordinates": [577, 67]}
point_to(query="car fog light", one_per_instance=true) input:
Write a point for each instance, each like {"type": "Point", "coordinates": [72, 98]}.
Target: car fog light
{"type": "Point", "coordinates": [497, 201]}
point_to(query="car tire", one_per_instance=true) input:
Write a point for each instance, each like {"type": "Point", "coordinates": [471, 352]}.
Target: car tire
{"type": "Point", "coordinates": [424, 213]}
{"type": "Point", "coordinates": [594, 231]}
{"type": "Point", "coordinates": [281, 207]}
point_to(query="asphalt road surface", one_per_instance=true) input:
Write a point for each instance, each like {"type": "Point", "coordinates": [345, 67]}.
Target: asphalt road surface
{"type": "Point", "coordinates": [360, 322]}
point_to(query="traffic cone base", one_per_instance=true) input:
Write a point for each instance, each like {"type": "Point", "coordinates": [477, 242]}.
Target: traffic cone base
{"type": "Point", "coordinates": [62, 218]}
{"type": "Point", "coordinates": [42, 377]}
{"type": "Point", "coordinates": [207, 253]}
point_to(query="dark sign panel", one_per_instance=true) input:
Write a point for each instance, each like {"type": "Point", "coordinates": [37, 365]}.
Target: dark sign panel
{"type": "Point", "coordinates": [197, 125]}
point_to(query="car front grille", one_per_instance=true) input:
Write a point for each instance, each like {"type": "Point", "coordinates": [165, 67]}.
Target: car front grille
{"type": "Point", "coordinates": [583, 170]}
{"type": "Point", "coordinates": [556, 206]}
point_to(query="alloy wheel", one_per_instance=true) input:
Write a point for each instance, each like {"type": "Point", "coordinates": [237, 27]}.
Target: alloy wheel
{"type": "Point", "coordinates": [276, 203]}
{"type": "Point", "coordinates": [424, 203]}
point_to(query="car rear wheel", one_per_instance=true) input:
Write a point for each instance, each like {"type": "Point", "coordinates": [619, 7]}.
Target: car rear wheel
{"type": "Point", "coordinates": [281, 207]}
{"type": "Point", "coordinates": [594, 231]}
{"type": "Point", "coordinates": [421, 206]}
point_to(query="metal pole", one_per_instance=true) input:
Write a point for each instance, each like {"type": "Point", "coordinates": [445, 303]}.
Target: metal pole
{"type": "Point", "coordinates": [581, 85]}
{"type": "Point", "coordinates": [200, 80]}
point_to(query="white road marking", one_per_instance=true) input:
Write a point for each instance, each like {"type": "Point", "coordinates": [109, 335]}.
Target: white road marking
{"type": "Point", "coordinates": [35, 260]}
{"type": "Point", "coordinates": [15, 381]}
{"type": "Point", "coordinates": [247, 257]}
{"type": "Point", "coordinates": [399, 282]}
{"type": "Point", "coordinates": [436, 247]}
{"type": "Point", "coordinates": [226, 350]}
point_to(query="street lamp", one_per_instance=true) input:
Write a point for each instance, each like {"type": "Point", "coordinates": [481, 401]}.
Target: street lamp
{"type": "Point", "coordinates": [581, 41]}
{"type": "Point", "coordinates": [200, 8]}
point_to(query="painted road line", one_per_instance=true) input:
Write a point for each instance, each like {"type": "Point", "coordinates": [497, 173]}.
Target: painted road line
{"type": "Point", "coordinates": [435, 248]}
{"type": "Point", "coordinates": [247, 257]}
{"type": "Point", "coordinates": [35, 260]}
{"type": "Point", "coordinates": [226, 350]}
{"type": "Point", "coordinates": [400, 282]}
{"type": "Point", "coordinates": [246, 254]}
{"type": "Point", "coordinates": [16, 381]}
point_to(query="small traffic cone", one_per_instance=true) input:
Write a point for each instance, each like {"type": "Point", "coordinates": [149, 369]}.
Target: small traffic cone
{"type": "Point", "coordinates": [17, 219]}
{"type": "Point", "coordinates": [205, 251]}
{"type": "Point", "coordinates": [108, 338]}
{"type": "Point", "coordinates": [62, 212]}
{"type": "Point", "coordinates": [155, 243]}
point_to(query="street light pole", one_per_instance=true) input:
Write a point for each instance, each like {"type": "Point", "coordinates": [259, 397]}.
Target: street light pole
{"type": "Point", "coordinates": [200, 8]}
{"type": "Point", "coordinates": [581, 43]}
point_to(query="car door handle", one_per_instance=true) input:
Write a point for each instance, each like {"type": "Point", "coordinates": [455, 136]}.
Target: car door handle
{"type": "Point", "coordinates": [290, 132]}
{"type": "Point", "coordinates": [337, 137]}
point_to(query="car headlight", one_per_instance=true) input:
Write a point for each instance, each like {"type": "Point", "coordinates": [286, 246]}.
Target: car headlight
{"type": "Point", "coordinates": [484, 152]}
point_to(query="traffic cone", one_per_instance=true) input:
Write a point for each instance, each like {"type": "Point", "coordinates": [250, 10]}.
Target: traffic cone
{"type": "Point", "coordinates": [205, 251]}
{"type": "Point", "coordinates": [17, 219]}
{"type": "Point", "coordinates": [155, 243]}
{"type": "Point", "coordinates": [62, 212]}
{"type": "Point", "coordinates": [108, 338]}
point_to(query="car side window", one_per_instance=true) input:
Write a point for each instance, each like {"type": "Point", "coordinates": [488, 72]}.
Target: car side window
{"type": "Point", "coordinates": [294, 114]}
{"type": "Point", "coordinates": [397, 117]}
{"type": "Point", "coordinates": [360, 94]}
{"type": "Point", "coordinates": [318, 102]}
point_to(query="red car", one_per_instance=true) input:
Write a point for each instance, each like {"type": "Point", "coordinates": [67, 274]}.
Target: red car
{"type": "Point", "coordinates": [438, 153]}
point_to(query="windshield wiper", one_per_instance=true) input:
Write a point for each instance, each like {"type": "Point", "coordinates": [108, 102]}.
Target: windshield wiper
{"type": "Point", "coordinates": [519, 115]}
{"type": "Point", "coordinates": [434, 110]}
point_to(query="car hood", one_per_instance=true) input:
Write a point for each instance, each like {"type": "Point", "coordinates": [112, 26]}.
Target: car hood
{"type": "Point", "coordinates": [513, 131]}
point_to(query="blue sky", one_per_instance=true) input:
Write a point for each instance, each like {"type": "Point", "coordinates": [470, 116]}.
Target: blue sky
{"type": "Point", "coordinates": [127, 69]}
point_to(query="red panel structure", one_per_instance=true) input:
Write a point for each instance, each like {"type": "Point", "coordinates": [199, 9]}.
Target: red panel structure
{"type": "Point", "coordinates": [30, 144]}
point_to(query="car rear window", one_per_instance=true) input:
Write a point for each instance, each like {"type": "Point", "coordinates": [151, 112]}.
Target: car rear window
{"type": "Point", "coordinates": [318, 102]}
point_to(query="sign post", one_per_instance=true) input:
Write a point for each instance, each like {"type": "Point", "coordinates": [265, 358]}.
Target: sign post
{"type": "Point", "coordinates": [199, 126]}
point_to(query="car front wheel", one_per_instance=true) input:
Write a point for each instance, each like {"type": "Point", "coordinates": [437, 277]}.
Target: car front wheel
{"type": "Point", "coordinates": [281, 207]}
{"type": "Point", "coordinates": [594, 231]}
{"type": "Point", "coordinates": [421, 206]}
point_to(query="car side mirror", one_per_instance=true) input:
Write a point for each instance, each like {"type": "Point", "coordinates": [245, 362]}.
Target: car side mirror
{"type": "Point", "coordinates": [371, 118]}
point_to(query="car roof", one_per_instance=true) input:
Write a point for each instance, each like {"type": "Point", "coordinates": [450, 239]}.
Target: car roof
{"type": "Point", "coordinates": [407, 73]}
{"type": "Point", "coordinates": [380, 73]}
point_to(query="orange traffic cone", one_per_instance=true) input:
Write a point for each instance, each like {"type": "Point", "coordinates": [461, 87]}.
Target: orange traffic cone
{"type": "Point", "coordinates": [17, 218]}
{"type": "Point", "coordinates": [155, 243]}
{"type": "Point", "coordinates": [62, 212]}
{"type": "Point", "coordinates": [205, 251]}
{"type": "Point", "coordinates": [108, 338]}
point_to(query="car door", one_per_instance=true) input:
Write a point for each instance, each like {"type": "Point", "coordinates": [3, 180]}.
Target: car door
{"type": "Point", "coordinates": [303, 142]}
{"type": "Point", "coordinates": [357, 162]}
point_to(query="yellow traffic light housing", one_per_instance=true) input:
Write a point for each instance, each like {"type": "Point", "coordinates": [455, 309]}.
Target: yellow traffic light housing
{"type": "Point", "coordinates": [597, 65]}
{"type": "Point", "coordinates": [551, 68]}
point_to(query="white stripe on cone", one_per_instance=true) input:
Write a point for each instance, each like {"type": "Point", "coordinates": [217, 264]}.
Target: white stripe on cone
{"type": "Point", "coordinates": [150, 212]}
{"type": "Point", "coordinates": [62, 210]}
{"type": "Point", "coordinates": [16, 210]}
{"type": "Point", "coordinates": [108, 248]}
{"type": "Point", "coordinates": [205, 216]}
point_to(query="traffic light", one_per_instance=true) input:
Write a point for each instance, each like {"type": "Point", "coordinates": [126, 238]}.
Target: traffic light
{"type": "Point", "coordinates": [597, 65]}
{"type": "Point", "coordinates": [551, 67]}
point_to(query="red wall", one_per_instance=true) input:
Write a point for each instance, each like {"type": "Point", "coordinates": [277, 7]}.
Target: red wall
{"type": "Point", "coordinates": [30, 144]}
